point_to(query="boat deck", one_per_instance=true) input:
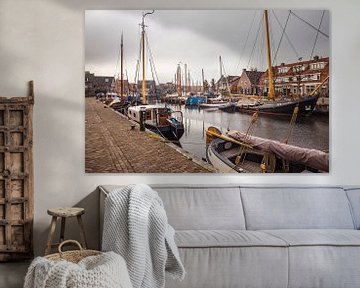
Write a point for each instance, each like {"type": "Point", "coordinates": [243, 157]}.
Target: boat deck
{"type": "Point", "coordinates": [112, 146]}
{"type": "Point", "coordinates": [248, 166]}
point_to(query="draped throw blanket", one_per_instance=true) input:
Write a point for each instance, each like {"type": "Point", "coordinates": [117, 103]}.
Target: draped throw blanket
{"type": "Point", "coordinates": [136, 227]}
{"type": "Point", "coordinates": [103, 271]}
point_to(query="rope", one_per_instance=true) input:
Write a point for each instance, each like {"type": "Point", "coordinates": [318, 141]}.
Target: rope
{"type": "Point", "coordinates": [137, 72]}
{"type": "Point", "coordinates": [247, 38]}
{"type": "Point", "coordinates": [253, 49]}
{"type": "Point", "coordinates": [151, 58]}
{"type": "Point", "coordinates": [309, 24]}
{"type": "Point", "coordinates": [287, 37]}
{"type": "Point", "coordinates": [283, 32]}
{"type": "Point", "coordinates": [317, 35]}
{"type": "Point", "coordinates": [226, 78]}
{"type": "Point", "coordinates": [117, 61]}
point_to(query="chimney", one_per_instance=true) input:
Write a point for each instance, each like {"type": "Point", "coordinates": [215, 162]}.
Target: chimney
{"type": "Point", "coordinates": [316, 58]}
{"type": "Point", "coordinates": [282, 64]}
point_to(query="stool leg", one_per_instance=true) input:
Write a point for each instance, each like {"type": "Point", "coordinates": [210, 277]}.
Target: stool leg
{"type": "Point", "coordinates": [51, 235]}
{"type": "Point", "coordinates": [62, 230]}
{"type": "Point", "coordinates": [82, 232]}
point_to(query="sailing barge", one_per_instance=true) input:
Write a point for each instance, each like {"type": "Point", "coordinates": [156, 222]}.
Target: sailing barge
{"type": "Point", "coordinates": [159, 119]}
{"type": "Point", "coordinates": [232, 153]}
{"type": "Point", "coordinates": [273, 106]}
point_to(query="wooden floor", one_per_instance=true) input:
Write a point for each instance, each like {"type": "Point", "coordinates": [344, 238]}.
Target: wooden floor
{"type": "Point", "coordinates": [112, 147]}
{"type": "Point", "coordinates": [12, 275]}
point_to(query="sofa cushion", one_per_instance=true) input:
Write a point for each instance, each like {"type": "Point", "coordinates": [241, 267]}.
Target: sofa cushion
{"type": "Point", "coordinates": [324, 266]}
{"type": "Point", "coordinates": [317, 237]}
{"type": "Point", "coordinates": [296, 208]}
{"type": "Point", "coordinates": [220, 267]}
{"type": "Point", "coordinates": [226, 238]}
{"type": "Point", "coordinates": [203, 208]}
{"type": "Point", "coordinates": [354, 198]}
{"type": "Point", "coordinates": [322, 258]}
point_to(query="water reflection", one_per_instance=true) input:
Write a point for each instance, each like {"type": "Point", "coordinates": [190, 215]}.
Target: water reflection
{"type": "Point", "coordinates": [309, 132]}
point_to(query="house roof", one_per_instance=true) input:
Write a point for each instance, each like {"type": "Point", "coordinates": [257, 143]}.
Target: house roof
{"type": "Point", "coordinates": [253, 76]}
{"type": "Point", "coordinates": [229, 79]}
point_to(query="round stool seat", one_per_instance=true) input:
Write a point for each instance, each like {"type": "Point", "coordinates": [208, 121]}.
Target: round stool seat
{"type": "Point", "coordinates": [66, 211]}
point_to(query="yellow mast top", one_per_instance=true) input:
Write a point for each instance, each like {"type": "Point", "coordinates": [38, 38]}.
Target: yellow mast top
{"type": "Point", "coordinates": [271, 93]}
{"type": "Point", "coordinates": [143, 56]}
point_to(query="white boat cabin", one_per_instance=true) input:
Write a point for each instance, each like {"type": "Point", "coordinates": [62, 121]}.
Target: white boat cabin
{"type": "Point", "coordinates": [155, 115]}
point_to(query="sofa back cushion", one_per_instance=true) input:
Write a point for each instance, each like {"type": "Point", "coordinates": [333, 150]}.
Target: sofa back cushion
{"type": "Point", "coordinates": [203, 208]}
{"type": "Point", "coordinates": [354, 198]}
{"type": "Point", "coordinates": [296, 208]}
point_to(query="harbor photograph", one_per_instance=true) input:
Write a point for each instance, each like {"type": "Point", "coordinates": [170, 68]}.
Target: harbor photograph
{"type": "Point", "coordinates": [207, 91]}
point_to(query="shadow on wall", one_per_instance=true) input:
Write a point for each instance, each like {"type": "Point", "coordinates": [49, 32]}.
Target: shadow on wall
{"type": "Point", "coordinates": [91, 219]}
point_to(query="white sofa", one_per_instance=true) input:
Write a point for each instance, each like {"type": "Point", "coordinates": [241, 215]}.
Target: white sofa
{"type": "Point", "coordinates": [235, 236]}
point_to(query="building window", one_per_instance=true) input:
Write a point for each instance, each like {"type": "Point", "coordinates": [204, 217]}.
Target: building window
{"type": "Point", "coordinates": [298, 68]}
{"type": "Point", "coordinates": [283, 69]}
{"type": "Point", "coordinates": [106, 80]}
{"type": "Point", "coordinates": [317, 66]}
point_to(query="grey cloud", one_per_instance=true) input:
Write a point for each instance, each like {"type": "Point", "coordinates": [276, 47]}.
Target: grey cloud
{"type": "Point", "coordinates": [211, 32]}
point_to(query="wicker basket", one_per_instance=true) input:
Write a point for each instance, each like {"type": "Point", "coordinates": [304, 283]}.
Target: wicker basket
{"type": "Point", "coordinates": [72, 256]}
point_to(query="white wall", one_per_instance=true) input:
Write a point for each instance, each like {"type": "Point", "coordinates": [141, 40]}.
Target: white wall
{"type": "Point", "coordinates": [44, 41]}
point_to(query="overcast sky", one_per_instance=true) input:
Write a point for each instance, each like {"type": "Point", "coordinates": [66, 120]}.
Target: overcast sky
{"type": "Point", "coordinates": [198, 38]}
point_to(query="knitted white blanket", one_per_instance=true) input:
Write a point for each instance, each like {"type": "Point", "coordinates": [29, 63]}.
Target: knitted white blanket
{"type": "Point", "coordinates": [136, 227]}
{"type": "Point", "coordinates": [103, 271]}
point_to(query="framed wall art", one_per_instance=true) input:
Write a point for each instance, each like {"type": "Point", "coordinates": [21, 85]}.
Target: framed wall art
{"type": "Point", "coordinates": [207, 91]}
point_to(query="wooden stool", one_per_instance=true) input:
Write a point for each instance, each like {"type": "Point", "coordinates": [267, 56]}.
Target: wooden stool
{"type": "Point", "coordinates": [64, 213]}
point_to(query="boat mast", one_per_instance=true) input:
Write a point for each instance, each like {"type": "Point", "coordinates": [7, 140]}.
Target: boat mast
{"type": "Point", "coordinates": [203, 80]}
{"type": "Point", "coordinates": [122, 65]}
{"type": "Point", "coordinates": [185, 79]}
{"type": "Point", "coordinates": [271, 94]}
{"type": "Point", "coordinates": [143, 55]}
{"type": "Point", "coordinates": [189, 81]}
{"type": "Point", "coordinates": [178, 82]}
{"type": "Point", "coordinates": [221, 72]}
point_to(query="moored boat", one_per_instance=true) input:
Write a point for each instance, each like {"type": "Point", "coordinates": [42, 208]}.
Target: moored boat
{"type": "Point", "coordinates": [234, 152]}
{"type": "Point", "coordinates": [160, 120]}
{"type": "Point", "coordinates": [229, 107]}
{"type": "Point", "coordinates": [280, 107]}
{"type": "Point", "coordinates": [157, 118]}
{"type": "Point", "coordinates": [195, 100]}
{"type": "Point", "coordinates": [212, 105]}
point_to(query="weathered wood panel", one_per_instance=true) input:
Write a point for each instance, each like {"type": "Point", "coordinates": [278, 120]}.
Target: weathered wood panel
{"type": "Point", "coordinates": [16, 177]}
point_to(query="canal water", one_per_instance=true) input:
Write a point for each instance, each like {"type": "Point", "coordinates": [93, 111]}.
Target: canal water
{"type": "Point", "coordinates": [309, 132]}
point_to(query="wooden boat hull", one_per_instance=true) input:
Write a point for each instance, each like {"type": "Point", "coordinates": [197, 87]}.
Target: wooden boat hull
{"type": "Point", "coordinates": [159, 120]}
{"type": "Point", "coordinates": [215, 155]}
{"type": "Point", "coordinates": [282, 108]}
{"type": "Point", "coordinates": [230, 107]}
{"type": "Point", "coordinates": [222, 154]}
{"type": "Point", "coordinates": [211, 105]}
{"type": "Point", "coordinates": [170, 132]}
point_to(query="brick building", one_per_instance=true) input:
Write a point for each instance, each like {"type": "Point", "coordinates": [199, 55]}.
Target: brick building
{"type": "Point", "coordinates": [299, 78]}
{"type": "Point", "coordinates": [249, 82]}
{"type": "Point", "coordinates": [95, 84]}
{"type": "Point", "coordinates": [118, 86]}
{"type": "Point", "coordinates": [224, 81]}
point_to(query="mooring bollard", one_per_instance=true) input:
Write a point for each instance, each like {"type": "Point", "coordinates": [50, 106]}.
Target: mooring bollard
{"type": "Point", "coordinates": [142, 118]}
